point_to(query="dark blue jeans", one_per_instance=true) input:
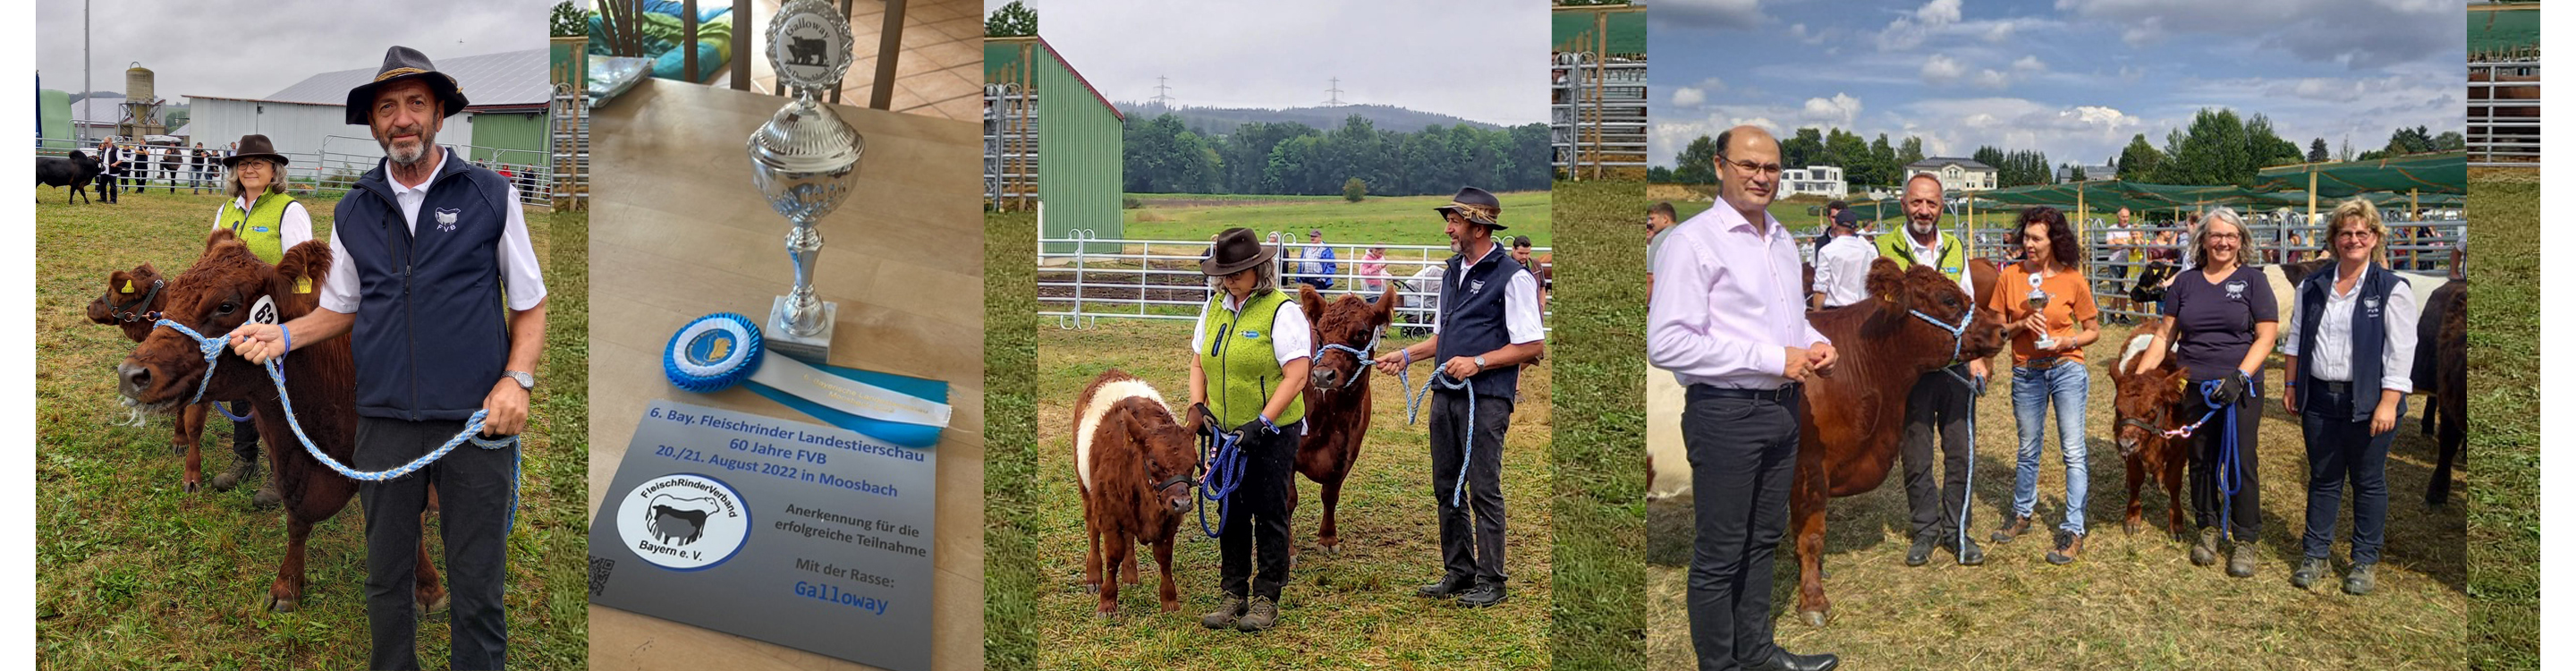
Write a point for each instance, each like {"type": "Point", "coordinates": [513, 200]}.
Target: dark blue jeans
{"type": "Point", "coordinates": [2341, 450]}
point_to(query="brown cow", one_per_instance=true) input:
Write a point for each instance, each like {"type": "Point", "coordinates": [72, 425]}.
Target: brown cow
{"type": "Point", "coordinates": [131, 300]}
{"type": "Point", "coordinates": [2442, 369]}
{"type": "Point", "coordinates": [1852, 417]}
{"type": "Point", "coordinates": [2143, 409]}
{"type": "Point", "coordinates": [1337, 395]}
{"type": "Point", "coordinates": [214, 297]}
{"type": "Point", "coordinates": [1134, 463]}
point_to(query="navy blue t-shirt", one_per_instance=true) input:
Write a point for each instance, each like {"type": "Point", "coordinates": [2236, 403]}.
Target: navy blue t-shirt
{"type": "Point", "coordinates": [2215, 322]}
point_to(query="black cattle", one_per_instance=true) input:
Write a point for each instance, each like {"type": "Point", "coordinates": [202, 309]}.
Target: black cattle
{"type": "Point", "coordinates": [684, 525]}
{"type": "Point", "coordinates": [804, 51]}
{"type": "Point", "coordinates": [74, 171]}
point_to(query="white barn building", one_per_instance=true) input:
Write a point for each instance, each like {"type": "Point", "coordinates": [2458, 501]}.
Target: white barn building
{"type": "Point", "coordinates": [1814, 180]}
{"type": "Point", "coordinates": [308, 118]}
{"type": "Point", "coordinates": [1956, 174]}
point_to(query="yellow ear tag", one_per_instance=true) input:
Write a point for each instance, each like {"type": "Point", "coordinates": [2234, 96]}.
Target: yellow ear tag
{"type": "Point", "coordinates": [129, 287]}
{"type": "Point", "coordinates": [304, 285]}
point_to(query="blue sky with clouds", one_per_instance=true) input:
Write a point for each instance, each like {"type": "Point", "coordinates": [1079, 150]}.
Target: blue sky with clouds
{"type": "Point", "coordinates": [2072, 78]}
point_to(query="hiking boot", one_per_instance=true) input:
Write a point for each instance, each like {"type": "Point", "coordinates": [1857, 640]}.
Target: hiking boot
{"type": "Point", "coordinates": [2309, 570]}
{"type": "Point", "coordinates": [2069, 544]}
{"type": "Point", "coordinates": [2362, 578]}
{"type": "Point", "coordinates": [2240, 560]}
{"type": "Point", "coordinates": [1481, 596]}
{"type": "Point", "coordinates": [2205, 552]}
{"type": "Point", "coordinates": [1921, 553]}
{"type": "Point", "coordinates": [242, 470]}
{"type": "Point", "coordinates": [2020, 525]}
{"type": "Point", "coordinates": [1445, 587]}
{"type": "Point", "coordinates": [1225, 613]}
{"type": "Point", "coordinates": [1969, 553]}
{"type": "Point", "coordinates": [1260, 615]}
{"type": "Point", "coordinates": [267, 497]}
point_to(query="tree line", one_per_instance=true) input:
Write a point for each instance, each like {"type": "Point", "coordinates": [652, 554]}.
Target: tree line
{"type": "Point", "coordinates": [1162, 155]}
{"type": "Point", "coordinates": [2217, 147]}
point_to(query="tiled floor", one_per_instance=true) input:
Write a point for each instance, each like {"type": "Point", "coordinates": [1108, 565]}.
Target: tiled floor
{"type": "Point", "coordinates": [939, 72]}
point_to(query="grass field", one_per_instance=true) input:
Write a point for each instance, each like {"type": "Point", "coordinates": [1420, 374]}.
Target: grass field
{"type": "Point", "coordinates": [2504, 431]}
{"type": "Point", "coordinates": [1354, 609]}
{"type": "Point", "coordinates": [133, 573]}
{"type": "Point", "coordinates": [1012, 479]}
{"type": "Point", "coordinates": [1406, 220]}
{"type": "Point", "coordinates": [2132, 601]}
{"type": "Point", "coordinates": [1600, 521]}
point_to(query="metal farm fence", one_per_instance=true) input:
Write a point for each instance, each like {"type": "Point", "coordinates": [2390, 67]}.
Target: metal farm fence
{"type": "Point", "coordinates": [1160, 279]}
{"type": "Point", "coordinates": [2504, 131]}
{"type": "Point", "coordinates": [325, 170]}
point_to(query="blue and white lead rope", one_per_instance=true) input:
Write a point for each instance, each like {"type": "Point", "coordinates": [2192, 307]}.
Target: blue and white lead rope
{"type": "Point", "coordinates": [213, 348]}
{"type": "Point", "coordinates": [1467, 438]}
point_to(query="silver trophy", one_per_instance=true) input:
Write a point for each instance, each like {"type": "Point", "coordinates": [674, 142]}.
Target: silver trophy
{"type": "Point", "coordinates": [2038, 303]}
{"type": "Point", "coordinates": [803, 160]}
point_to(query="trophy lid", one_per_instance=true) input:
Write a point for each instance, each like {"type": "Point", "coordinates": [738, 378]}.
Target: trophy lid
{"type": "Point", "coordinates": [805, 136]}
{"type": "Point", "coordinates": [809, 44]}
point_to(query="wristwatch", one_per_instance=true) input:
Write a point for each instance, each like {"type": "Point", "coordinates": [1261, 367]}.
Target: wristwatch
{"type": "Point", "coordinates": [1480, 364]}
{"type": "Point", "coordinates": [526, 381]}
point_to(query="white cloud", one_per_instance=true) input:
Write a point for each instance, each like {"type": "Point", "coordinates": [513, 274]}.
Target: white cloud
{"type": "Point", "coordinates": [1718, 14]}
{"type": "Point", "coordinates": [2029, 64]}
{"type": "Point", "coordinates": [1909, 31]}
{"type": "Point", "coordinates": [1840, 109]}
{"type": "Point", "coordinates": [1942, 69]}
{"type": "Point", "coordinates": [1990, 79]}
{"type": "Point", "coordinates": [1938, 12]}
{"type": "Point", "coordinates": [2360, 34]}
{"type": "Point", "coordinates": [1689, 96]}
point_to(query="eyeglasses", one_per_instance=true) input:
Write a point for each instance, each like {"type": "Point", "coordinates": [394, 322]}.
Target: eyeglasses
{"type": "Point", "coordinates": [2356, 233]}
{"type": "Point", "coordinates": [1752, 167]}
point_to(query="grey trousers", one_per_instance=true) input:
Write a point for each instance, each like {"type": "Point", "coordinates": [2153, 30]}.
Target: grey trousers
{"type": "Point", "coordinates": [474, 507]}
{"type": "Point", "coordinates": [1937, 404]}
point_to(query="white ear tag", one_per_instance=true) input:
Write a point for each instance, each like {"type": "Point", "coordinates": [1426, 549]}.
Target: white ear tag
{"type": "Point", "coordinates": [264, 311]}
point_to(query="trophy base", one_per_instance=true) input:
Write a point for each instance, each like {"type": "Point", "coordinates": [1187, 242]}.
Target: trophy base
{"type": "Point", "coordinates": [816, 349]}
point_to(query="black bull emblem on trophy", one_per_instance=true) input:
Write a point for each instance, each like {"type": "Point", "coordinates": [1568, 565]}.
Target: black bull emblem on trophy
{"type": "Point", "coordinates": [804, 51]}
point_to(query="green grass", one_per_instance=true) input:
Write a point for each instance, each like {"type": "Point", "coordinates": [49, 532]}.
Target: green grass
{"type": "Point", "coordinates": [1351, 610]}
{"type": "Point", "coordinates": [1396, 221]}
{"type": "Point", "coordinates": [2504, 432]}
{"type": "Point", "coordinates": [1011, 475]}
{"type": "Point", "coordinates": [134, 573]}
{"type": "Point", "coordinates": [2133, 601]}
{"type": "Point", "coordinates": [1599, 510]}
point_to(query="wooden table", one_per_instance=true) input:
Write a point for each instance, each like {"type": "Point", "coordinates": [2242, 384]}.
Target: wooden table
{"type": "Point", "coordinates": [678, 231]}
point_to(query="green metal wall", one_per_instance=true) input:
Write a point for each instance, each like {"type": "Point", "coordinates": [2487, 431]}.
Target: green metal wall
{"type": "Point", "coordinates": [1080, 166]}
{"type": "Point", "coordinates": [510, 130]}
{"type": "Point", "coordinates": [54, 119]}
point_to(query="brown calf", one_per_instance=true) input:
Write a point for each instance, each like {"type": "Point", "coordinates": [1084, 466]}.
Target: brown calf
{"type": "Point", "coordinates": [1134, 462]}
{"type": "Point", "coordinates": [132, 298]}
{"type": "Point", "coordinates": [2143, 410]}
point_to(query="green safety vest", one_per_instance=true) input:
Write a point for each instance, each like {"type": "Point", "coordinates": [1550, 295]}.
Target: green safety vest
{"type": "Point", "coordinates": [261, 227]}
{"type": "Point", "coordinates": [1238, 360]}
{"type": "Point", "coordinates": [1900, 246]}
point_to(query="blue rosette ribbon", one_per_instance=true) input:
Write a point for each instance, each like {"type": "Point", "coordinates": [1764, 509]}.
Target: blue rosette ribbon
{"type": "Point", "coordinates": [723, 350]}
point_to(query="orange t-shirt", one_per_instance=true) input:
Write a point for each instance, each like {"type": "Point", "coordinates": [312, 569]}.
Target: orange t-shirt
{"type": "Point", "coordinates": [2069, 302]}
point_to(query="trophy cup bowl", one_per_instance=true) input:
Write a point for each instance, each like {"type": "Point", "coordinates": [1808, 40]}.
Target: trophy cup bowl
{"type": "Point", "coordinates": [2039, 302]}
{"type": "Point", "coordinates": [802, 161]}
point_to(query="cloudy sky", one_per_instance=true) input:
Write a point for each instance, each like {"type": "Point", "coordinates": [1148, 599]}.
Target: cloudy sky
{"type": "Point", "coordinates": [1483, 60]}
{"type": "Point", "coordinates": [252, 49]}
{"type": "Point", "coordinates": [2072, 78]}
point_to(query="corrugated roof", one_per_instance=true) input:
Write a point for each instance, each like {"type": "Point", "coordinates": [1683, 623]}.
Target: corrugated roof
{"type": "Point", "coordinates": [1938, 161]}
{"type": "Point", "coordinates": [1000, 52]}
{"type": "Point", "coordinates": [506, 78]}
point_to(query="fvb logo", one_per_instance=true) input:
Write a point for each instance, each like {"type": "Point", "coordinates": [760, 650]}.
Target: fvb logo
{"type": "Point", "coordinates": [684, 521]}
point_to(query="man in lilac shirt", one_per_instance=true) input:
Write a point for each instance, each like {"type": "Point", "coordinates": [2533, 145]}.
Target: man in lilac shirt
{"type": "Point", "coordinates": [1728, 318]}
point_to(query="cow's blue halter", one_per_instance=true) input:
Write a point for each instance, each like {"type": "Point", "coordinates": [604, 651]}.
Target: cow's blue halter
{"type": "Point", "coordinates": [1362, 356]}
{"type": "Point", "coordinates": [213, 348]}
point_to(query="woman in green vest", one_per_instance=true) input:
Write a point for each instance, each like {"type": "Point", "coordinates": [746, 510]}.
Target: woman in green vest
{"type": "Point", "coordinates": [269, 221]}
{"type": "Point", "coordinates": [1248, 369]}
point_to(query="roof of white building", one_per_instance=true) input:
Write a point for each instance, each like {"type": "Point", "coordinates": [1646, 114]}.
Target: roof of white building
{"type": "Point", "coordinates": [1938, 161]}
{"type": "Point", "coordinates": [506, 79]}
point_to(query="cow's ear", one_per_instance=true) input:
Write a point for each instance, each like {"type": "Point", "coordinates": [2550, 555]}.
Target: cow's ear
{"type": "Point", "coordinates": [122, 283]}
{"type": "Point", "coordinates": [1312, 303]}
{"type": "Point", "coordinates": [218, 237]}
{"type": "Point", "coordinates": [1887, 282]}
{"type": "Point", "coordinates": [1384, 312]}
{"type": "Point", "coordinates": [298, 283]}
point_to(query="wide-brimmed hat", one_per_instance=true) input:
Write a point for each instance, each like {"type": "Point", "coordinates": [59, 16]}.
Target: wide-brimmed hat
{"type": "Point", "coordinates": [1477, 206]}
{"type": "Point", "coordinates": [403, 63]}
{"type": "Point", "coordinates": [1235, 250]}
{"type": "Point", "coordinates": [255, 146]}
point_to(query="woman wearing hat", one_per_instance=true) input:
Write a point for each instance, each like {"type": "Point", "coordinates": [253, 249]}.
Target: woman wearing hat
{"type": "Point", "coordinates": [1248, 369]}
{"type": "Point", "coordinates": [268, 221]}
{"type": "Point", "coordinates": [2350, 352]}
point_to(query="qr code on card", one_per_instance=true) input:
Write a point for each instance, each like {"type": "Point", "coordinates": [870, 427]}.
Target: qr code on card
{"type": "Point", "coordinates": [599, 569]}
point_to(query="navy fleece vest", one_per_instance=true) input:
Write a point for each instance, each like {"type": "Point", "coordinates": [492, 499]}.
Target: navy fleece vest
{"type": "Point", "coordinates": [2369, 334]}
{"type": "Point", "coordinates": [1471, 320]}
{"type": "Point", "coordinates": [431, 336]}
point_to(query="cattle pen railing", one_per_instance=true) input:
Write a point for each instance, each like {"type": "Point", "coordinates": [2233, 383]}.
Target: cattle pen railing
{"type": "Point", "coordinates": [2434, 244]}
{"type": "Point", "coordinates": [323, 169]}
{"type": "Point", "coordinates": [1091, 278]}
{"type": "Point", "coordinates": [2502, 130]}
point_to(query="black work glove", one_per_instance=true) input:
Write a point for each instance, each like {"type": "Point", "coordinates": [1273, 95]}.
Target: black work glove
{"type": "Point", "coordinates": [1257, 427]}
{"type": "Point", "coordinates": [1202, 420]}
{"type": "Point", "coordinates": [2230, 390]}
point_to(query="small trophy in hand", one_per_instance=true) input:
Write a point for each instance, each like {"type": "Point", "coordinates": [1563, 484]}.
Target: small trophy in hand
{"type": "Point", "coordinates": [2038, 303]}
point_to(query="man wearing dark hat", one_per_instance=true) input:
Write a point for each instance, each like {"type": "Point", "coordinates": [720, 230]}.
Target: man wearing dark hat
{"type": "Point", "coordinates": [1842, 265]}
{"type": "Point", "coordinates": [1488, 325]}
{"type": "Point", "coordinates": [1250, 356]}
{"type": "Point", "coordinates": [424, 249]}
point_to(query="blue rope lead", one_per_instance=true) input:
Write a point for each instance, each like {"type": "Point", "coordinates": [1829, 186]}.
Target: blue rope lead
{"type": "Point", "coordinates": [1224, 456]}
{"type": "Point", "coordinates": [213, 348]}
{"type": "Point", "coordinates": [2230, 477]}
{"type": "Point", "coordinates": [1466, 438]}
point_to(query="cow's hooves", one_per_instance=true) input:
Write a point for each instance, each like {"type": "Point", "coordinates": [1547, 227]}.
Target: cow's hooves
{"type": "Point", "coordinates": [1091, 588]}
{"type": "Point", "coordinates": [2131, 527]}
{"type": "Point", "coordinates": [1333, 550]}
{"type": "Point", "coordinates": [1171, 606]}
{"type": "Point", "coordinates": [277, 605]}
{"type": "Point", "coordinates": [434, 606]}
{"type": "Point", "coordinates": [1814, 618]}
{"type": "Point", "coordinates": [192, 487]}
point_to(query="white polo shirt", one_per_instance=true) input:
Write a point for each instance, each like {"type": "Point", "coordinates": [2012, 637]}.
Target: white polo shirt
{"type": "Point", "coordinates": [520, 270]}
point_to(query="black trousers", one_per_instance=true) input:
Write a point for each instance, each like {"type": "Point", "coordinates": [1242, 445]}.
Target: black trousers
{"type": "Point", "coordinates": [2341, 450]}
{"type": "Point", "coordinates": [245, 434]}
{"type": "Point", "coordinates": [106, 184]}
{"type": "Point", "coordinates": [1936, 404]}
{"type": "Point", "coordinates": [474, 505]}
{"type": "Point", "coordinates": [2244, 510]}
{"type": "Point", "coordinates": [1471, 535]}
{"type": "Point", "coordinates": [1743, 455]}
{"type": "Point", "coordinates": [1256, 516]}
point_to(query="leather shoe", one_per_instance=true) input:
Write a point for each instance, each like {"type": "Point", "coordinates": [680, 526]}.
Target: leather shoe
{"type": "Point", "coordinates": [1921, 553]}
{"type": "Point", "coordinates": [1481, 596]}
{"type": "Point", "coordinates": [2019, 525]}
{"type": "Point", "coordinates": [1445, 587]}
{"type": "Point", "coordinates": [1781, 660]}
{"type": "Point", "coordinates": [2309, 570]}
{"type": "Point", "coordinates": [1970, 554]}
